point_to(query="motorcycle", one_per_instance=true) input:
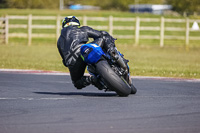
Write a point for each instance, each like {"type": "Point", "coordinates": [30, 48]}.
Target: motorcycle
{"type": "Point", "coordinates": [110, 68]}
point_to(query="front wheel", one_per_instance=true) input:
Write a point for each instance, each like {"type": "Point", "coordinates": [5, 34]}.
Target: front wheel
{"type": "Point", "coordinates": [112, 80]}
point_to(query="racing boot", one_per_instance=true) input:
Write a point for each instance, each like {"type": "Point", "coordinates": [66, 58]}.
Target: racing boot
{"type": "Point", "coordinates": [87, 80]}
{"type": "Point", "coordinates": [83, 82]}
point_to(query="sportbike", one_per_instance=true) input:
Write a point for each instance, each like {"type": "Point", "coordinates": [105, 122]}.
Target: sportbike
{"type": "Point", "coordinates": [110, 68]}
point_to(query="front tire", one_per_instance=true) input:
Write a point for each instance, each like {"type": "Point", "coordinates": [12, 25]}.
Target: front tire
{"type": "Point", "coordinates": [112, 80]}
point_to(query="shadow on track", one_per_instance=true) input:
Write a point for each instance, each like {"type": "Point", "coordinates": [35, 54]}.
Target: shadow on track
{"type": "Point", "coordinates": [88, 94]}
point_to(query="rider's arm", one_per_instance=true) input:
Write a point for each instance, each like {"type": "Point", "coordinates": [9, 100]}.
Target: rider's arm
{"type": "Point", "coordinates": [108, 40]}
{"type": "Point", "coordinates": [95, 34]}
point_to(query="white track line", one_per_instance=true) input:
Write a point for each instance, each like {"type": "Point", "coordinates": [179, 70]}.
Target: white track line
{"type": "Point", "coordinates": [30, 99]}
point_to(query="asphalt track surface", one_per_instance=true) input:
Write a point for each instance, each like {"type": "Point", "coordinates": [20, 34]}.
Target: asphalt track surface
{"type": "Point", "coordinates": [49, 103]}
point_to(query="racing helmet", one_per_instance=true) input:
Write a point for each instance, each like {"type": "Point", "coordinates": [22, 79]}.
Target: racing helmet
{"type": "Point", "coordinates": [70, 20]}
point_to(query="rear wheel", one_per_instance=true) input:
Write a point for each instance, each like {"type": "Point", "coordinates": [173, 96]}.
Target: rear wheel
{"type": "Point", "coordinates": [112, 80]}
{"type": "Point", "coordinates": [133, 89]}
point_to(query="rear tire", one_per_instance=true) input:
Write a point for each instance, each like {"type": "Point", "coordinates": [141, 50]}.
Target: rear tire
{"type": "Point", "coordinates": [112, 80]}
{"type": "Point", "coordinates": [133, 89]}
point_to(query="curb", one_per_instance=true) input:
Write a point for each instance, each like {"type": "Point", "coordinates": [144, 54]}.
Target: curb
{"type": "Point", "coordinates": [43, 72]}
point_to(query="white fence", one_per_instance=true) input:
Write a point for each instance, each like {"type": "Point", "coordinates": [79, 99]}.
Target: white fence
{"type": "Point", "coordinates": [3, 30]}
{"type": "Point", "coordinates": [110, 27]}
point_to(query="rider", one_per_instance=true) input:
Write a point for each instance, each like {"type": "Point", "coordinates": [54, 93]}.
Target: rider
{"type": "Point", "coordinates": [71, 39]}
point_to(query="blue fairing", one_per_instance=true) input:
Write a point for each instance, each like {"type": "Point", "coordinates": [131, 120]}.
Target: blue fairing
{"type": "Point", "coordinates": [91, 53]}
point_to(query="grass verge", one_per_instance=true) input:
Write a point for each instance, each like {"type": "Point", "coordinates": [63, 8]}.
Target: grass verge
{"type": "Point", "coordinates": [144, 61]}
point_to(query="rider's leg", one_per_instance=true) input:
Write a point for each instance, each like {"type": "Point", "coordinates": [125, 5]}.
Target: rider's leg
{"type": "Point", "coordinates": [77, 72]}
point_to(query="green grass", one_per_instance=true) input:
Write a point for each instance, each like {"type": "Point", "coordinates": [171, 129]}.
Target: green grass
{"type": "Point", "coordinates": [38, 57]}
{"type": "Point", "coordinates": [167, 62]}
{"type": "Point", "coordinates": [146, 61]}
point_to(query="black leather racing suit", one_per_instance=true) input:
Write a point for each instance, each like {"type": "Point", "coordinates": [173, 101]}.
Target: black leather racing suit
{"type": "Point", "coordinates": [69, 43]}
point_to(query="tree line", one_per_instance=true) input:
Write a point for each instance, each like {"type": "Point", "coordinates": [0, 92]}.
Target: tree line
{"type": "Point", "coordinates": [180, 6]}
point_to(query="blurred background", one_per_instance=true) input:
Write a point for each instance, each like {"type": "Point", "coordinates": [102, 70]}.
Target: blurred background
{"type": "Point", "coordinates": [160, 37]}
{"type": "Point", "coordinates": [185, 6]}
